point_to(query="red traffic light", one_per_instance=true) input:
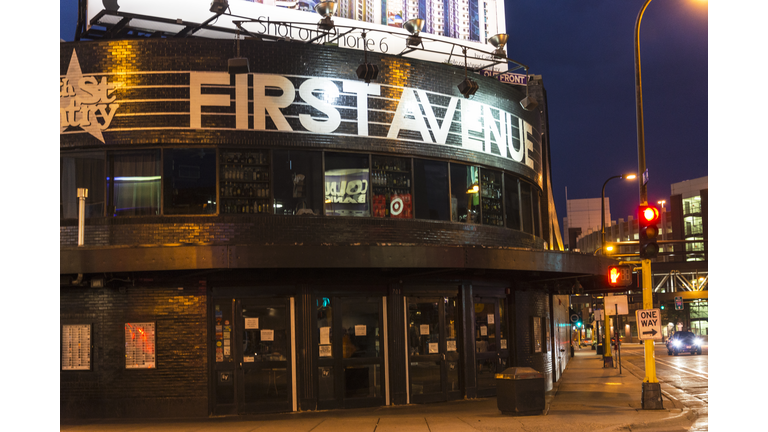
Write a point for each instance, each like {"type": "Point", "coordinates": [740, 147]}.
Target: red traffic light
{"type": "Point", "coordinates": [649, 215]}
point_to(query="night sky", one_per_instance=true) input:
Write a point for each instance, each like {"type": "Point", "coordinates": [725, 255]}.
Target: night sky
{"type": "Point", "coordinates": [584, 52]}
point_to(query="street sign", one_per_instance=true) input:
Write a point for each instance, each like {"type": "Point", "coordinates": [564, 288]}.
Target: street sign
{"type": "Point", "coordinates": [574, 318]}
{"type": "Point", "coordinates": [648, 324]}
{"type": "Point", "coordinates": [678, 303]}
{"type": "Point", "coordinates": [618, 300]}
{"type": "Point", "coordinates": [599, 315]}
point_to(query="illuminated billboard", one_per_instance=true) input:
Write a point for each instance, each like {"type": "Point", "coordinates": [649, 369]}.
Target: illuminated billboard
{"type": "Point", "coordinates": [446, 23]}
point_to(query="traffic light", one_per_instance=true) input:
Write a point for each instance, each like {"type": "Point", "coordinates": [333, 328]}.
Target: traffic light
{"type": "Point", "coordinates": [649, 231]}
{"type": "Point", "coordinates": [620, 275]}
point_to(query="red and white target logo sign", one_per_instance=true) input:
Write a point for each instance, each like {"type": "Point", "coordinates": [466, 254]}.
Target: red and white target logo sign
{"type": "Point", "coordinates": [396, 206]}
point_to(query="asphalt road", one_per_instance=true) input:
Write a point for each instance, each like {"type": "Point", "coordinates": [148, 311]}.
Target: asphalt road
{"type": "Point", "coordinates": [684, 378]}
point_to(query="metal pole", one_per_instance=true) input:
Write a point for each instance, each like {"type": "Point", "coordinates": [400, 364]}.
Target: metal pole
{"type": "Point", "coordinates": [639, 100]}
{"type": "Point", "coordinates": [82, 194]}
{"type": "Point", "coordinates": [618, 342]}
{"type": "Point", "coordinates": [607, 357]}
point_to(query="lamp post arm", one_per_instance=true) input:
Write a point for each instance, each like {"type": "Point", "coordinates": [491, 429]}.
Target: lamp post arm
{"type": "Point", "coordinates": [639, 100]}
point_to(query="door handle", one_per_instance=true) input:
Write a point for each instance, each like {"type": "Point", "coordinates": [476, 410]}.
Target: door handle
{"type": "Point", "coordinates": [443, 355]}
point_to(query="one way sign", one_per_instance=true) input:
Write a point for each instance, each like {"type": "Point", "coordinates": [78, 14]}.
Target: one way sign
{"type": "Point", "coordinates": [649, 324]}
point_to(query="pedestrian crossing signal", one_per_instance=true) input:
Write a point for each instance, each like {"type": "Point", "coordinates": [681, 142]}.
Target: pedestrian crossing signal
{"type": "Point", "coordinates": [620, 276]}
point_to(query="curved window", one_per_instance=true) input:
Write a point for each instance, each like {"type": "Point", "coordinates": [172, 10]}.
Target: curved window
{"type": "Point", "coordinates": [298, 182]}
{"type": "Point", "coordinates": [133, 183]}
{"type": "Point", "coordinates": [512, 202]}
{"type": "Point", "coordinates": [430, 180]}
{"type": "Point", "coordinates": [526, 206]}
{"type": "Point", "coordinates": [82, 170]}
{"type": "Point", "coordinates": [347, 180]}
{"type": "Point", "coordinates": [189, 181]}
{"type": "Point", "coordinates": [465, 193]}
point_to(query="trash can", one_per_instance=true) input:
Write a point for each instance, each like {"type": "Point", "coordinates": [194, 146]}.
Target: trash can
{"type": "Point", "coordinates": [520, 391]}
{"type": "Point", "coordinates": [599, 349]}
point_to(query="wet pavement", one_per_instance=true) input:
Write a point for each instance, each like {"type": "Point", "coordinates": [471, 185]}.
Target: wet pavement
{"type": "Point", "coordinates": [588, 397]}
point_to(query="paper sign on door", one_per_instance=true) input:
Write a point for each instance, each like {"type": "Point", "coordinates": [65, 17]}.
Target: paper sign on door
{"type": "Point", "coordinates": [483, 331]}
{"type": "Point", "coordinates": [424, 329]}
{"type": "Point", "coordinates": [360, 330]}
{"type": "Point", "coordinates": [433, 348]}
{"type": "Point", "coordinates": [251, 323]}
{"type": "Point", "coordinates": [490, 319]}
{"type": "Point", "coordinates": [325, 335]}
{"type": "Point", "coordinates": [325, 351]}
{"type": "Point", "coordinates": [451, 345]}
{"type": "Point", "coordinates": [267, 335]}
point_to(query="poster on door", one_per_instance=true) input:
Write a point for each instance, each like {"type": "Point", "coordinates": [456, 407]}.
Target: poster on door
{"type": "Point", "coordinates": [267, 335]}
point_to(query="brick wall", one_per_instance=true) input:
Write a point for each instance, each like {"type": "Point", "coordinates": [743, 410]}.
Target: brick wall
{"type": "Point", "coordinates": [288, 230]}
{"type": "Point", "coordinates": [179, 384]}
{"type": "Point", "coordinates": [529, 304]}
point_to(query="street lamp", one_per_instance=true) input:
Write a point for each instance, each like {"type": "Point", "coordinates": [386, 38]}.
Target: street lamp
{"type": "Point", "coordinates": [602, 208]}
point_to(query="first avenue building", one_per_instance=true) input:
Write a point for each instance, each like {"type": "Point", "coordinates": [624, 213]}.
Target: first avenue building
{"type": "Point", "coordinates": [292, 238]}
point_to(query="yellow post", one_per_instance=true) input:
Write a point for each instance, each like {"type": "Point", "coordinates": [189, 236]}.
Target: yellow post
{"type": "Point", "coordinates": [650, 356]}
{"type": "Point", "coordinates": [608, 358]}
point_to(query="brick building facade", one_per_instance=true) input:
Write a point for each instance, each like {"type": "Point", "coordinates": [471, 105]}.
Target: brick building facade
{"type": "Point", "coordinates": [224, 269]}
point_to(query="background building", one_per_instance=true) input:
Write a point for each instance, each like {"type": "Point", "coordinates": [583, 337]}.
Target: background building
{"type": "Point", "coordinates": [583, 218]}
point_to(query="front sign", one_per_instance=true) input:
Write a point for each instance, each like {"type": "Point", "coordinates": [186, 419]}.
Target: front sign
{"type": "Point", "coordinates": [293, 104]}
{"type": "Point", "coordinates": [648, 324]}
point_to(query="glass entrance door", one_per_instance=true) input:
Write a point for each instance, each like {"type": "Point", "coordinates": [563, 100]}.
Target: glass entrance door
{"type": "Point", "coordinates": [491, 343]}
{"type": "Point", "coordinates": [433, 349]}
{"type": "Point", "coordinates": [253, 356]}
{"type": "Point", "coordinates": [264, 345]}
{"type": "Point", "coordinates": [350, 350]}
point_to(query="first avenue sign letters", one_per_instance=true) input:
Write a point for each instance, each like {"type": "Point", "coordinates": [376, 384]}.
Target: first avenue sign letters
{"type": "Point", "coordinates": [298, 104]}
{"type": "Point", "coordinates": [344, 107]}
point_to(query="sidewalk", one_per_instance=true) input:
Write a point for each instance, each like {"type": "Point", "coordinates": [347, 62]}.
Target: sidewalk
{"type": "Point", "coordinates": [588, 397]}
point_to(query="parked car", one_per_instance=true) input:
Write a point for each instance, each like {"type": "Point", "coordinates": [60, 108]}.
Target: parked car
{"type": "Point", "coordinates": [683, 341]}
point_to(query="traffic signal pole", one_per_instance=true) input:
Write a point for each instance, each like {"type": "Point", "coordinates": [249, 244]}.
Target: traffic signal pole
{"type": "Point", "coordinates": [651, 396]}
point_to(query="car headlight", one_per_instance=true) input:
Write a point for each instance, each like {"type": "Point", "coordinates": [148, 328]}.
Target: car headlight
{"type": "Point", "coordinates": [676, 343]}
{"type": "Point", "coordinates": [697, 341]}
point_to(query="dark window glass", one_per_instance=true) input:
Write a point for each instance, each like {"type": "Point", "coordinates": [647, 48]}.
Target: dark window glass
{"type": "Point", "coordinates": [512, 201]}
{"type": "Point", "coordinates": [490, 187]}
{"type": "Point", "coordinates": [133, 183]}
{"type": "Point", "coordinates": [536, 212]}
{"type": "Point", "coordinates": [525, 199]}
{"type": "Point", "coordinates": [430, 188]}
{"type": "Point", "coordinates": [346, 184]}
{"type": "Point", "coordinates": [189, 181]}
{"type": "Point", "coordinates": [391, 187]}
{"type": "Point", "coordinates": [465, 193]}
{"type": "Point", "coordinates": [298, 182]}
{"type": "Point", "coordinates": [82, 170]}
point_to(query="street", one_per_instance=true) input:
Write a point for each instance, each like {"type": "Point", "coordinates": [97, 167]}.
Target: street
{"type": "Point", "coordinates": [684, 378]}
